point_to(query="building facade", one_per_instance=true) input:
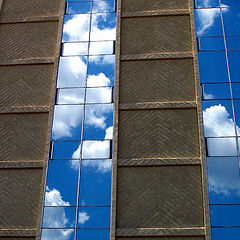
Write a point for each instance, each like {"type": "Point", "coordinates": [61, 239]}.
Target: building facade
{"type": "Point", "coordinates": [108, 131]}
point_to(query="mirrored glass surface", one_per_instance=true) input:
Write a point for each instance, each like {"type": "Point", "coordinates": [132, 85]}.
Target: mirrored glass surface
{"type": "Point", "coordinates": [95, 186]}
{"type": "Point", "coordinates": [76, 28]}
{"type": "Point", "coordinates": [236, 90]}
{"type": "Point", "coordinates": [237, 115]}
{"type": "Point", "coordinates": [103, 26]}
{"type": "Point", "coordinates": [105, 47]}
{"type": "Point", "coordinates": [208, 22]}
{"type": "Point", "coordinates": [234, 57]}
{"type": "Point", "coordinates": [213, 67]}
{"type": "Point", "coordinates": [225, 233]}
{"type": "Point", "coordinates": [231, 17]}
{"type": "Point", "coordinates": [93, 217]}
{"type": "Point", "coordinates": [78, 7]}
{"type": "Point", "coordinates": [216, 91]}
{"type": "Point", "coordinates": [221, 147]}
{"type": "Point", "coordinates": [230, 3]}
{"type": "Point", "coordinates": [218, 118]}
{"type": "Point", "coordinates": [211, 43]}
{"type": "Point", "coordinates": [225, 215]}
{"type": "Point", "coordinates": [57, 234]}
{"type": "Point", "coordinates": [103, 6]}
{"type": "Point", "coordinates": [72, 72]}
{"type": "Point", "coordinates": [98, 123]}
{"type": "Point", "coordinates": [61, 186]}
{"type": "Point", "coordinates": [59, 217]}
{"type": "Point", "coordinates": [71, 96]}
{"type": "Point", "coordinates": [223, 180]}
{"type": "Point", "coordinates": [90, 234]}
{"type": "Point", "coordinates": [233, 43]}
{"type": "Point", "coordinates": [96, 149]}
{"type": "Point", "coordinates": [66, 150]}
{"type": "Point", "coordinates": [75, 49]}
{"type": "Point", "coordinates": [67, 122]}
{"type": "Point", "coordinates": [99, 95]}
{"type": "Point", "coordinates": [206, 3]}
{"type": "Point", "coordinates": [101, 71]}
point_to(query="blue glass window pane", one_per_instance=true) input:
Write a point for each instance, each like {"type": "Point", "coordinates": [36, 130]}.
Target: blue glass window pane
{"type": "Point", "coordinates": [94, 217]}
{"type": "Point", "coordinates": [231, 18]}
{"type": "Point", "coordinates": [211, 43]}
{"type": "Point", "coordinates": [62, 183]}
{"type": "Point", "coordinates": [234, 57]}
{"type": "Point", "coordinates": [95, 187]}
{"type": "Point", "coordinates": [90, 234]}
{"type": "Point", "coordinates": [225, 215]}
{"type": "Point", "coordinates": [216, 91]}
{"type": "Point", "coordinates": [213, 67]}
{"type": "Point", "coordinates": [77, 7]}
{"type": "Point", "coordinates": [99, 95]}
{"type": "Point", "coordinates": [75, 49]}
{"type": "Point", "coordinates": [66, 150]}
{"type": "Point", "coordinates": [98, 122]}
{"type": "Point", "coordinates": [67, 122]}
{"type": "Point", "coordinates": [230, 3]}
{"type": "Point", "coordinates": [223, 180]}
{"type": "Point", "coordinates": [208, 22]}
{"type": "Point", "coordinates": [221, 147]}
{"type": "Point", "coordinates": [236, 90]}
{"type": "Point", "coordinates": [206, 3]}
{"type": "Point", "coordinates": [104, 47]}
{"type": "Point", "coordinates": [237, 115]}
{"type": "Point", "coordinates": [101, 71]}
{"type": "Point", "coordinates": [76, 28]}
{"type": "Point", "coordinates": [96, 149]}
{"type": "Point", "coordinates": [71, 96]}
{"type": "Point", "coordinates": [59, 217]}
{"type": "Point", "coordinates": [103, 27]}
{"type": "Point", "coordinates": [225, 233]}
{"type": "Point", "coordinates": [233, 43]}
{"type": "Point", "coordinates": [218, 118]}
{"type": "Point", "coordinates": [103, 6]}
{"type": "Point", "coordinates": [72, 72]}
{"type": "Point", "coordinates": [57, 234]}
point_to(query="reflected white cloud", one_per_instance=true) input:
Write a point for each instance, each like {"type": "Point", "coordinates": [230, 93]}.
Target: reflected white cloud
{"type": "Point", "coordinates": [98, 80]}
{"type": "Point", "coordinates": [109, 133]}
{"type": "Point", "coordinates": [83, 217]}
{"type": "Point", "coordinates": [55, 217]}
{"type": "Point", "coordinates": [102, 166]}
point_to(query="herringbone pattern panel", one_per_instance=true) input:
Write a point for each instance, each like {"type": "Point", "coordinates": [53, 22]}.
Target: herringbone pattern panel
{"type": "Point", "coordinates": [23, 136]}
{"type": "Point", "coordinates": [25, 85]}
{"type": "Point", "coordinates": [27, 40]}
{"type": "Point", "coordinates": [16, 238]}
{"type": "Point", "coordinates": [17, 9]}
{"type": "Point", "coordinates": [158, 133]}
{"type": "Point", "coordinates": [151, 5]}
{"type": "Point", "coordinates": [159, 197]}
{"type": "Point", "coordinates": [19, 198]}
{"type": "Point", "coordinates": [155, 35]}
{"type": "Point", "coordinates": [156, 81]}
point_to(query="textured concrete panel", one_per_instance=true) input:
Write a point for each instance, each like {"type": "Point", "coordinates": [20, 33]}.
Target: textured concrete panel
{"type": "Point", "coordinates": [156, 80]}
{"type": "Point", "coordinates": [28, 40]}
{"type": "Point", "coordinates": [16, 238]}
{"type": "Point", "coordinates": [158, 133]}
{"type": "Point", "coordinates": [151, 5]}
{"type": "Point", "coordinates": [15, 9]}
{"type": "Point", "coordinates": [159, 197]}
{"type": "Point", "coordinates": [19, 198]}
{"type": "Point", "coordinates": [25, 85]}
{"type": "Point", "coordinates": [160, 34]}
{"type": "Point", "coordinates": [23, 136]}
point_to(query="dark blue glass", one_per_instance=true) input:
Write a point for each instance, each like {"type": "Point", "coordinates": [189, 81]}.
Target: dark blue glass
{"type": "Point", "coordinates": [95, 187]}
{"type": "Point", "coordinates": [223, 180]}
{"type": "Point", "coordinates": [237, 115]}
{"type": "Point", "coordinates": [216, 91]}
{"type": "Point", "coordinates": [90, 234]}
{"type": "Point", "coordinates": [230, 3]}
{"type": "Point", "coordinates": [213, 67]}
{"type": "Point", "coordinates": [231, 17]}
{"type": "Point", "coordinates": [57, 234]}
{"type": "Point", "coordinates": [62, 182]}
{"type": "Point", "coordinates": [66, 150]}
{"type": "Point", "coordinates": [211, 43]}
{"type": "Point", "coordinates": [78, 7]}
{"type": "Point", "coordinates": [234, 57]}
{"type": "Point", "coordinates": [206, 3]}
{"type": "Point", "coordinates": [233, 43]}
{"type": "Point", "coordinates": [103, 6]}
{"type": "Point", "coordinates": [225, 233]}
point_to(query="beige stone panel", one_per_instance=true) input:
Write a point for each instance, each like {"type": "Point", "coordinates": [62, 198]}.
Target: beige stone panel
{"type": "Point", "coordinates": [159, 197]}
{"type": "Point", "coordinates": [153, 5]}
{"type": "Point", "coordinates": [27, 40]}
{"type": "Point", "coordinates": [19, 9]}
{"type": "Point", "coordinates": [25, 85]}
{"type": "Point", "coordinates": [155, 35]}
{"type": "Point", "coordinates": [158, 133]}
{"type": "Point", "coordinates": [156, 81]}
{"type": "Point", "coordinates": [23, 136]}
{"type": "Point", "coordinates": [19, 198]}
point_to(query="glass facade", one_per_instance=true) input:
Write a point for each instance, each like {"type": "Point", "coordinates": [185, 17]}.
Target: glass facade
{"type": "Point", "coordinates": [218, 38]}
{"type": "Point", "coordinates": [78, 186]}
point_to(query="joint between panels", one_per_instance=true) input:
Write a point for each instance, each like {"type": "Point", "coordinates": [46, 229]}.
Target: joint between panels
{"type": "Point", "coordinates": [17, 232]}
{"type": "Point", "coordinates": [20, 164]}
{"type": "Point", "coordinates": [23, 109]}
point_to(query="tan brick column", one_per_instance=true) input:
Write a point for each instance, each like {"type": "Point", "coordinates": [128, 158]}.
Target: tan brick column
{"type": "Point", "coordinates": [159, 172]}
{"type": "Point", "coordinates": [30, 32]}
